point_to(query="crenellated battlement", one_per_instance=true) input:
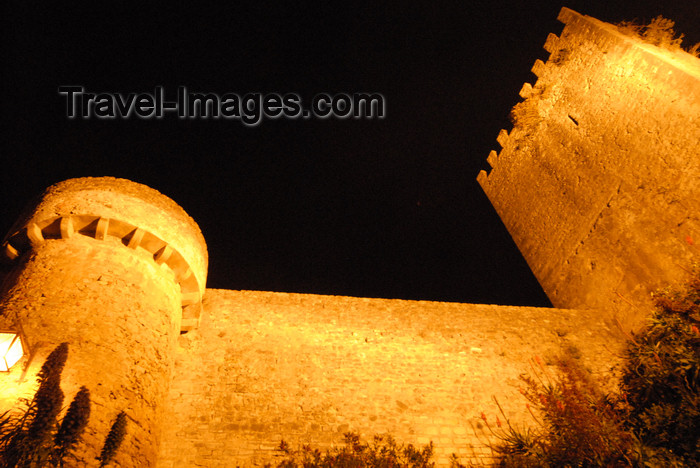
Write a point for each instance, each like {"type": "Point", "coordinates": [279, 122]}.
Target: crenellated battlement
{"type": "Point", "coordinates": [133, 237]}
{"type": "Point", "coordinates": [598, 181]}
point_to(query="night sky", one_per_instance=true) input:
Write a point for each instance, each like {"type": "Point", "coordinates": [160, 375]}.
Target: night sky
{"type": "Point", "coordinates": [378, 208]}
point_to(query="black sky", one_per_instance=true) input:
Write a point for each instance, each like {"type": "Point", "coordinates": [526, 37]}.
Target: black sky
{"type": "Point", "coordinates": [379, 208]}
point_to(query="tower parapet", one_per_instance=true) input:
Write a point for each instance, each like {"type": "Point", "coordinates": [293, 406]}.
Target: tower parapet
{"type": "Point", "coordinates": [117, 270]}
{"type": "Point", "coordinates": [598, 182]}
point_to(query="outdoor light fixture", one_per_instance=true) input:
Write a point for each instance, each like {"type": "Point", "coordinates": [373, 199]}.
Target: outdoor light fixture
{"type": "Point", "coordinates": [10, 350]}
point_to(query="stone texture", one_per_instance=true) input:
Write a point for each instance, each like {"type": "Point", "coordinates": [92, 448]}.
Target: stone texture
{"type": "Point", "coordinates": [597, 183]}
{"type": "Point", "coordinates": [599, 180]}
{"type": "Point", "coordinates": [266, 366]}
{"type": "Point", "coordinates": [127, 201]}
{"type": "Point", "coordinates": [117, 310]}
{"type": "Point", "coordinates": [86, 269]}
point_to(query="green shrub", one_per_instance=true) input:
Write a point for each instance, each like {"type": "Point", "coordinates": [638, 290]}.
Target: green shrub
{"type": "Point", "coordinates": [661, 381]}
{"type": "Point", "coordinates": [654, 419]}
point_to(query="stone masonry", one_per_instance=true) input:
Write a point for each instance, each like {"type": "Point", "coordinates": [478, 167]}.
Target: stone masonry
{"type": "Point", "coordinates": [598, 183]}
{"type": "Point", "coordinates": [304, 368]}
{"type": "Point", "coordinates": [111, 267]}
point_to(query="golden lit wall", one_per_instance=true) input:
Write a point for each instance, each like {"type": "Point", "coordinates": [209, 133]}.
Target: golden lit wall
{"type": "Point", "coordinates": [598, 184]}
{"type": "Point", "coordinates": [116, 270]}
{"type": "Point", "coordinates": [110, 267]}
{"type": "Point", "coordinates": [264, 366]}
{"type": "Point", "coordinates": [599, 180]}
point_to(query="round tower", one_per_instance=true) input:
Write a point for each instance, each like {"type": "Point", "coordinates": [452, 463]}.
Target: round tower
{"type": "Point", "coordinates": [117, 270]}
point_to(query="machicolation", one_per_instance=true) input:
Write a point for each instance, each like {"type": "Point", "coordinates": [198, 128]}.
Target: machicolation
{"type": "Point", "coordinates": [598, 183]}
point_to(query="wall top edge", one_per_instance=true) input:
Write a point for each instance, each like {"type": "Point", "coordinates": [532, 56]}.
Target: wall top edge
{"type": "Point", "coordinates": [126, 201]}
{"type": "Point", "coordinates": [679, 59]}
{"type": "Point", "coordinates": [291, 297]}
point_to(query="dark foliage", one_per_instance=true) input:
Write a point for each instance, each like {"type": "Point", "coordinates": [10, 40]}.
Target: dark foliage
{"type": "Point", "coordinates": [34, 437]}
{"type": "Point", "coordinates": [114, 439]}
{"type": "Point", "coordinates": [577, 424]}
{"type": "Point", "coordinates": [382, 453]}
{"type": "Point", "coordinates": [662, 379]}
{"type": "Point", "coordinates": [26, 439]}
{"type": "Point", "coordinates": [653, 421]}
{"type": "Point", "coordinates": [53, 366]}
{"type": "Point", "coordinates": [73, 425]}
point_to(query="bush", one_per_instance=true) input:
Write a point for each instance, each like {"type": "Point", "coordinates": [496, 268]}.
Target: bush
{"type": "Point", "coordinates": [659, 32]}
{"type": "Point", "coordinates": [33, 436]}
{"type": "Point", "coordinates": [576, 423]}
{"type": "Point", "coordinates": [382, 453]}
{"type": "Point", "coordinates": [654, 419]}
{"type": "Point", "coordinates": [661, 382]}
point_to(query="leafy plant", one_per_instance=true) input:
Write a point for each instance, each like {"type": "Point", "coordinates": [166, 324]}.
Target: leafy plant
{"type": "Point", "coordinates": [382, 453]}
{"type": "Point", "coordinates": [659, 32]}
{"type": "Point", "coordinates": [576, 423]}
{"type": "Point", "coordinates": [33, 436]}
{"type": "Point", "coordinates": [27, 438]}
{"type": "Point", "coordinates": [654, 419]}
{"type": "Point", "coordinates": [661, 381]}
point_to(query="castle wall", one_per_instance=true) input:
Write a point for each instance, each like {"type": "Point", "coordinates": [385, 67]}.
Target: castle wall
{"type": "Point", "coordinates": [117, 317]}
{"type": "Point", "coordinates": [598, 182]}
{"type": "Point", "coordinates": [267, 366]}
{"type": "Point", "coordinates": [116, 270]}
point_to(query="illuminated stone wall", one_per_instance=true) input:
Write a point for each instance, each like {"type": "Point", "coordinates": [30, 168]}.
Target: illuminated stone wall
{"type": "Point", "coordinates": [264, 366]}
{"type": "Point", "coordinates": [599, 180]}
{"type": "Point", "coordinates": [598, 184]}
{"type": "Point", "coordinates": [89, 269]}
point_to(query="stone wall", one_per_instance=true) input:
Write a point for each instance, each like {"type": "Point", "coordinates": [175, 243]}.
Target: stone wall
{"type": "Point", "coordinates": [265, 366]}
{"type": "Point", "coordinates": [116, 270]}
{"type": "Point", "coordinates": [599, 180]}
{"type": "Point", "coordinates": [140, 217]}
{"type": "Point", "coordinates": [115, 310]}
{"type": "Point", "coordinates": [598, 183]}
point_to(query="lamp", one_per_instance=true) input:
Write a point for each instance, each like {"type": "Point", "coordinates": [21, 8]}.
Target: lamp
{"type": "Point", "coordinates": [11, 350]}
